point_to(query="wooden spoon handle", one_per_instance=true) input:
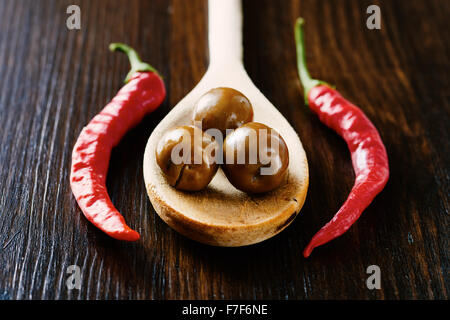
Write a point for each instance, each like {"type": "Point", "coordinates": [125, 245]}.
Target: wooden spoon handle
{"type": "Point", "coordinates": [225, 33]}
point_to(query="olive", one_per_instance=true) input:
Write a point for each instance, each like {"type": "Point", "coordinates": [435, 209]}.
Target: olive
{"type": "Point", "coordinates": [256, 158]}
{"type": "Point", "coordinates": [186, 156]}
{"type": "Point", "coordinates": [222, 108]}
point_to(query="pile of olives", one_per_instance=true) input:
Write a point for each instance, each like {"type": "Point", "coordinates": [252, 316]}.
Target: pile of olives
{"type": "Point", "coordinates": [254, 157]}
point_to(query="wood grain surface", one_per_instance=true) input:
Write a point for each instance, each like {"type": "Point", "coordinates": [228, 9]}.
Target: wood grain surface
{"type": "Point", "coordinates": [54, 80]}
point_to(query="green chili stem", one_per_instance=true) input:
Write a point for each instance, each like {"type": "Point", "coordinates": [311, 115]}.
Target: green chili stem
{"type": "Point", "coordinates": [136, 63]}
{"type": "Point", "coordinates": [306, 80]}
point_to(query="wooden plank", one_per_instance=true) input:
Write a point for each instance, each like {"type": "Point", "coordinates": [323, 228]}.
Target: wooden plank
{"type": "Point", "coordinates": [54, 80]}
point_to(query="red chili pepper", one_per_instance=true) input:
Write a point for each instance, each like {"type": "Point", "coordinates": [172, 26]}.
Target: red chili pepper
{"type": "Point", "coordinates": [369, 158]}
{"type": "Point", "coordinates": [143, 93]}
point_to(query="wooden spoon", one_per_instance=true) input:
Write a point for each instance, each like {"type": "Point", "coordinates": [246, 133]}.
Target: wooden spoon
{"type": "Point", "coordinates": [222, 215]}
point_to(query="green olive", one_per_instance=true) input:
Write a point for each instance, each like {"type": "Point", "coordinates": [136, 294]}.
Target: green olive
{"type": "Point", "coordinates": [222, 108]}
{"type": "Point", "coordinates": [256, 158]}
{"type": "Point", "coordinates": [186, 156]}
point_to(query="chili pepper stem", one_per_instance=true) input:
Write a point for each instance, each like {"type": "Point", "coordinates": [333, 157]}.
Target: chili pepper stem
{"type": "Point", "coordinates": [306, 80]}
{"type": "Point", "coordinates": [137, 65]}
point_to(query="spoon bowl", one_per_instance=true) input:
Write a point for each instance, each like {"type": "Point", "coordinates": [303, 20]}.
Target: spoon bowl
{"type": "Point", "coordinates": [222, 215]}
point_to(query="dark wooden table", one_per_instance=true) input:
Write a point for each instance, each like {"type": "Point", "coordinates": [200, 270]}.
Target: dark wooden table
{"type": "Point", "coordinates": [54, 80]}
